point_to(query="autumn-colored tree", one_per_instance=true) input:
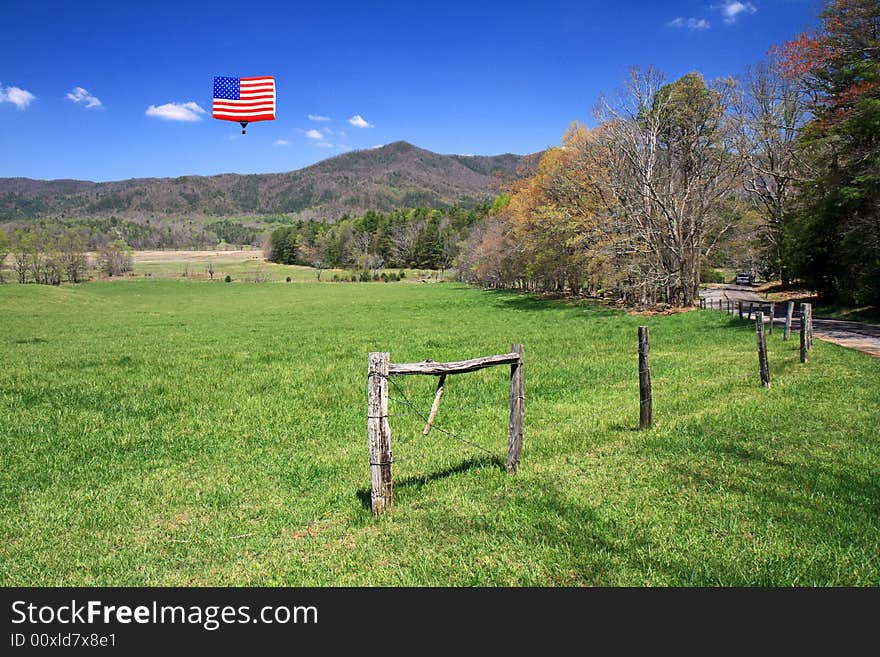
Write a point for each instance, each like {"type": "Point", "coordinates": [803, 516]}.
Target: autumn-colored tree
{"type": "Point", "coordinates": [547, 232]}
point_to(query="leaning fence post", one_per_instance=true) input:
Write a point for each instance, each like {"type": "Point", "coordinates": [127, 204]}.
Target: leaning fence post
{"type": "Point", "coordinates": [803, 333]}
{"type": "Point", "coordinates": [379, 432]}
{"type": "Point", "coordinates": [762, 350]}
{"type": "Point", "coordinates": [517, 410]}
{"type": "Point", "coordinates": [644, 380]}
{"type": "Point", "coordinates": [788, 313]}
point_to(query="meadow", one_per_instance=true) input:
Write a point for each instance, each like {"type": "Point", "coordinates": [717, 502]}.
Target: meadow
{"type": "Point", "coordinates": [240, 265]}
{"type": "Point", "coordinates": [183, 432]}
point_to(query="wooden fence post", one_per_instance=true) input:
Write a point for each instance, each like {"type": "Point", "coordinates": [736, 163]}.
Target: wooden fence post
{"type": "Point", "coordinates": [803, 333]}
{"type": "Point", "coordinates": [762, 350]}
{"type": "Point", "coordinates": [788, 313]}
{"type": "Point", "coordinates": [772, 316]}
{"type": "Point", "coordinates": [644, 380]}
{"type": "Point", "coordinates": [809, 327]}
{"type": "Point", "coordinates": [379, 432]}
{"type": "Point", "coordinates": [729, 311]}
{"type": "Point", "coordinates": [739, 304]}
{"type": "Point", "coordinates": [517, 410]}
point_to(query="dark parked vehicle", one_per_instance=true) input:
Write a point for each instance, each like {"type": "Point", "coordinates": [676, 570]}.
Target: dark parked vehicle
{"type": "Point", "coordinates": [743, 279]}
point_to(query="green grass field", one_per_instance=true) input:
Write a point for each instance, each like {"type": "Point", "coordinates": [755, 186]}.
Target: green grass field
{"type": "Point", "coordinates": [172, 432]}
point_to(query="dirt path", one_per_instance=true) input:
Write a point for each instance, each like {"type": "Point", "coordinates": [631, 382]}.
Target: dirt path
{"type": "Point", "coordinates": [855, 335]}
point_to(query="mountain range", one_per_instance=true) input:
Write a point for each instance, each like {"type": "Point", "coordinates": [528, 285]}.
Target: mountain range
{"type": "Point", "coordinates": [393, 176]}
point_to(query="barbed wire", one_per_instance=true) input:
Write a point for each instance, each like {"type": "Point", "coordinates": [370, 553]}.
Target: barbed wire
{"type": "Point", "coordinates": [409, 408]}
{"type": "Point", "coordinates": [424, 417]}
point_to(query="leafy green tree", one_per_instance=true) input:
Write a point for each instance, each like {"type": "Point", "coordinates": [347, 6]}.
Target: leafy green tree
{"type": "Point", "coordinates": [836, 243]}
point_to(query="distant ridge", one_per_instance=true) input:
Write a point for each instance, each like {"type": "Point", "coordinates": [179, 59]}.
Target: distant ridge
{"type": "Point", "coordinates": [392, 176]}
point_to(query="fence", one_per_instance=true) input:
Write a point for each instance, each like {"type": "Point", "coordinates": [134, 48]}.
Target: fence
{"type": "Point", "coordinates": [755, 309]}
{"type": "Point", "coordinates": [379, 429]}
{"type": "Point", "coordinates": [381, 371]}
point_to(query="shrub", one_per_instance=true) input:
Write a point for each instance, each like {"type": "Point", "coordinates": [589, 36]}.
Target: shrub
{"type": "Point", "coordinates": [401, 274]}
{"type": "Point", "coordinates": [376, 276]}
{"type": "Point", "coordinates": [710, 275]}
{"type": "Point", "coordinates": [287, 279]}
{"type": "Point", "coordinates": [228, 278]}
{"type": "Point", "coordinates": [365, 276]}
{"type": "Point", "coordinates": [354, 277]}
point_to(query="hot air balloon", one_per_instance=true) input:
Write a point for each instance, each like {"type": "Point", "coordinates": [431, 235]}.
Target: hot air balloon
{"type": "Point", "coordinates": [244, 100]}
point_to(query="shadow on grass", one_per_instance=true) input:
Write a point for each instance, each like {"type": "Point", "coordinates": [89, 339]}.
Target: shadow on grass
{"type": "Point", "coordinates": [416, 482]}
{"type": "Point", "coordinates": [531, 301]}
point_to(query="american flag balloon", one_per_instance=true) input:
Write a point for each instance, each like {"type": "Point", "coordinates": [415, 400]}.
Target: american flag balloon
{"type": "Point", "coordinates": [244, 100]}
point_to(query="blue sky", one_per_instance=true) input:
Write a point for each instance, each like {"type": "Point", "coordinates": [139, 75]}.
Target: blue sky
{"type": "Point", "coordinates": [78, 79]}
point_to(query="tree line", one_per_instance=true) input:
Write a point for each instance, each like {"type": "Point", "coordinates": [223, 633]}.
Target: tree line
{"type": "Point", "coordinates": [149, 233]}
{"type": "Point", "coordinates": [420, 238]}
{"type": "Point", "coordinates": [52, 251]}
{"type": "Point", "coordinates": [50, 258]}
{"type": "Point", "coordinates": [778, 169]}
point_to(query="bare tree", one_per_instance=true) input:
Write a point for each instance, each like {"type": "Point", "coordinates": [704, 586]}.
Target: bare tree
{"type": "Point", "coordinates": [37, 256]}
{"type": "Point", "coordinates": [72, 254]}
{"type": "Point", "coordinates": [404, 238]}
{"type": "Point", "coordinates": [362, 240]}
{"type": "Point", "coordinates": [670, 163]}
{"type": "Point", "coordinates": [115, 258]}
{"type": "Point", "coordinates": [211, 270]}
{"type": "Point", "coordinates": [770, 111]}
{"type": "Point", "coordinates": [315, 254]}
{"type": "Point", "coordinates": [5, 245]}
{"type": "Point", "coordinates": [52, 264]}
{"type": "Point", "coordinates": [22, 247]}
{"type": "Point", "coordinates": [370, 261]}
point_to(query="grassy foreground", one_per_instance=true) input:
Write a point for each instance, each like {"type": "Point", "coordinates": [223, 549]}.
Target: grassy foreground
{"type": "Point", "coordinates": [167, 432]}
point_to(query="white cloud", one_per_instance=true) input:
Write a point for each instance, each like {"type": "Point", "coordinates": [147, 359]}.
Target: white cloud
{"type": "Point", "coordinates": [282, 142]}
{"type": "Point", "coordinates": [17, 96]}
{"type": "Point", "coordinates": [733, 9]}
{"type": "Point", "coordinates": [177, 111]}
{"type": "Point", "coordinates": [318, 117]}
{"type": "Point", "coordinates": [314, 134]}
{"type": "Point", "coordinates": [81, 96]}
{"type": "Point", "coordinates": [358, 121]}
{"type": "Point", "coordinates": [372, 148]}
{"type": "Point", "coordinates": [693, 24]}
{"type": "Point", "coordinates": [324, 144]}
